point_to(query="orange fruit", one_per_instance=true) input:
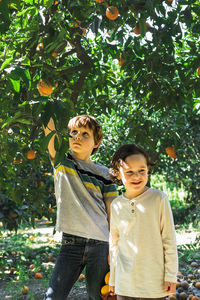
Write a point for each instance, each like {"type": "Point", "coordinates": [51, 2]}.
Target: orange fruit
{"type": "Point", "coordinates": [198, 71]}
{"type": "Point", "coordinates": [112, 13]}
{"type": "Point", "coordinates": [183, 296]}
{"type": "Point", "coordinates": [172, 297]}
{"type": "Point", "coordinates": [178, 284]}
{"type": "Point", "coordinates": [17, 161]}
{"type": "Point", "coordinates": [40, 46]}
{"type": "Point", "coordinates": [171, 152]}
{"type": "Point", "coordinates": [56, 2]}
{"type": "Point", "coordinates": [107, 276]}
{"type": "Point", "coordinates": [44, 88]}
{"type": "Point", "coordinates": [14, 215]}
{"type": "Point", "coordinates": [184, 284]}
{"type": "Point", "coordinates": [32, 266]}
{"type": "Point", "coordinates": [30, 154]}
{"type": "Point", "coordinates": [197, 285]}
{"type": "Point", "coordinates": [38, 275]}
{"type": "Point", "coordinates": [83, 31]}
{"type": "Point", "coordinates": [54, 54]}
{"type": "Point", "coordinates": [136, 30]}
{"type": "Point", "coordinates": [46, 222]}
{"type": "Point", "coordinates": [25, 290]}
{"type": "Point", "coordinates": [77, 23]}
{"type": "Point", "coordinates": [99, 1]}
{"type": "Point", "coordinates": [51, 210]}
{"type": "Point", "coordinates": [179, 274]}
{"type": "Point", "coordinates": [12, 270]}
{"type": "Point", "coordinates": [81, 277]}
{"type": "Point", "coordinates": [105, 290]}
{"type": "Point", "coordinates": [121, 60]}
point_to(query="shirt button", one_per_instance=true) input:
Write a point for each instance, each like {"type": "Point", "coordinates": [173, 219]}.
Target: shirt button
{"type": "Point", "coordinates": [133, 211]}
{"type": "Point", "coordinates": [132, 203]}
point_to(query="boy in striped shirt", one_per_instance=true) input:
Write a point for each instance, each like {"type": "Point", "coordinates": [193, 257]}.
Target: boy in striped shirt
{"type": "Point", "coordinates": [84, 193]}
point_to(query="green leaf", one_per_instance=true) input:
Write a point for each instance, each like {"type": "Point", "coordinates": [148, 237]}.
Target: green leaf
{"type": "Point", "coordinates": [60, 154]}
{"type": "Point", "coordinates": [15, 84]}
{"type": "Point", "coordinates": [6, 63]}
{"type": "Point", "coordinates": [45, 141]}
{"type": "Point", "coordinates": [48, 3]}
{"type": "Point", "coordinates": [142, 26]}
{"type": "Point", "coordinates": [4, 17]}
{"type": "Point", "coordinates": [24, 121]}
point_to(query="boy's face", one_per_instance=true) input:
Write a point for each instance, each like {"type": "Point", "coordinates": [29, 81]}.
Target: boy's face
{"type": "Point", "coordinates": [134, 174]}
{"type": "Point", "coordinates": [82, 141]}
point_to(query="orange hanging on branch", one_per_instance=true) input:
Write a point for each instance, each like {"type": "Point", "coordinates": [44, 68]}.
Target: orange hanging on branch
{"type": "Point", "coordinates": [198, 71]}
{"type": "Point", "coordinates": [121, 60]}
{"type": "Point", "coordinates": [112, 13]}
{"type": "Point", "coordinates": [44, 88]}
{"type": "Point", "coordinates": [171, 152]}
{"type": "Point", "coordinates": [38, 275]}
{"type": "Point", "coordinates": [30, 154]}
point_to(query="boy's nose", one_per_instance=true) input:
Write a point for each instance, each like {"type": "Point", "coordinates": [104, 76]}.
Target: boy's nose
{"type": "Point", "coordinates": [136, 174]}
{"type": "Point", "coordinates": [78, 136]}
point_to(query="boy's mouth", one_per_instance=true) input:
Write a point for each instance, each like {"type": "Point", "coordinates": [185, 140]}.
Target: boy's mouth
{"type": "Point", "coordinates": [136, 183]}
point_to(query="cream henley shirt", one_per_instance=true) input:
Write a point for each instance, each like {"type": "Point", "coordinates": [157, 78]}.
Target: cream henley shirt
{"type": "Point", "coordinates": [143, 252]}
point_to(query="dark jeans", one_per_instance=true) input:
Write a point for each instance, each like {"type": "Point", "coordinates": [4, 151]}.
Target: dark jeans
{"type": "Point", "coordinates": [75, 254]}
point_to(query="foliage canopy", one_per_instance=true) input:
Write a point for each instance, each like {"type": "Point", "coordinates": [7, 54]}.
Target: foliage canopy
{"type": "Point", "coordinates": [143, 87]}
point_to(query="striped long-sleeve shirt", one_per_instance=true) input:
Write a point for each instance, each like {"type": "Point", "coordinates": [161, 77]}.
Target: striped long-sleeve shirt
{"type": "Point", "coordinates": [82, 189]}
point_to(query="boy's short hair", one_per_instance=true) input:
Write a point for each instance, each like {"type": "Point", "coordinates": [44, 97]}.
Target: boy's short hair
{"type": "Point", "coordinates": [92, 123]}
{"type": "Point", "coordinates": [120, 156]}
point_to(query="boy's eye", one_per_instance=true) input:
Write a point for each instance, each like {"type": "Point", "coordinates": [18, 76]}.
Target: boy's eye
{"type": "Point", "coordinates": [85, 134]}
{"type": "Point", "coordinates": [73, 132]}
{"type": "Point", "coordinates": [142, 171]}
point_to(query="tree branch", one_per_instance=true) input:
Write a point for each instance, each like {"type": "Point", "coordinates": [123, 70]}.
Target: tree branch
{"type": "Point", "coordinates": [79, 84]}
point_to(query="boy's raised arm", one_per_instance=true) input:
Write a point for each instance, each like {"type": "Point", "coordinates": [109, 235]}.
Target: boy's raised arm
{"type": "Point", "coordinates": [50, 127]}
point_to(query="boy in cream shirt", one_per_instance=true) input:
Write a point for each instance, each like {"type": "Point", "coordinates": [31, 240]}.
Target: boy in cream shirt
{"type": "Point", "coordinates": [143, 254]}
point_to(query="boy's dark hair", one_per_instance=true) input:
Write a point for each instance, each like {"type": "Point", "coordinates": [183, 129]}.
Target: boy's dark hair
{"type": "Point", "coordinates": [120, 156]}
{"type": "Point", "coordinates": [92, 123]}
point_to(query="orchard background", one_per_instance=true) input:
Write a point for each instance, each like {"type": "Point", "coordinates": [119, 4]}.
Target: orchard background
{"type": "Point", "coordinates": [139, 74]}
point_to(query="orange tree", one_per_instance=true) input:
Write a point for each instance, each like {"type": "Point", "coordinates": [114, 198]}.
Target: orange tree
{"type": "Point", "coordinates": [60, 58]}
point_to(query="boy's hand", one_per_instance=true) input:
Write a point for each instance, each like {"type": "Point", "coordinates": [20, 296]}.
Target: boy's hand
{"type": "Point", "coordinates": [170, 287]}
{"type": "Point", "coordinates": [111, 289]}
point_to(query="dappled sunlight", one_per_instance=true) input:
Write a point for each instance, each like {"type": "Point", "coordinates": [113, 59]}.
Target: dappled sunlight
{"type": "Point", "coordinates": [118, 207]}
{"type": "Point", "coordinates": [140, 207]}
{"type": "Point", "coordinates": [183, 238]}
{"type": "Point", "coordinates": [133, 247]}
